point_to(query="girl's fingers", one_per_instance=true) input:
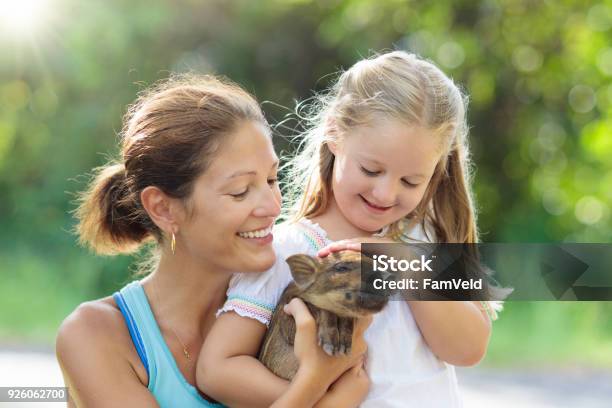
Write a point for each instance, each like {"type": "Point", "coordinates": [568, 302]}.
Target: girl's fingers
{"type": "Point", "coordinates": [330, 248]}
{"type": "Point", "coordinates": [339, 246]}
{"type": "Point", "coordinates": [353, 246]}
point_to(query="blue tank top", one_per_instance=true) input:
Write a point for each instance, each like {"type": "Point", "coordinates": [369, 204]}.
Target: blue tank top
{"type": "Point", "coordinates": [166, 382]}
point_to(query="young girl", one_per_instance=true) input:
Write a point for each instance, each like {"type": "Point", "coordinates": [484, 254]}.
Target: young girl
{"type": "Point", "coordinates": [387, 155]}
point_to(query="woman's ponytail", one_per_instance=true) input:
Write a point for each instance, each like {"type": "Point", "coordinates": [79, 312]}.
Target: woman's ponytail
{"type": "Point", "coordinates": [107, 214]}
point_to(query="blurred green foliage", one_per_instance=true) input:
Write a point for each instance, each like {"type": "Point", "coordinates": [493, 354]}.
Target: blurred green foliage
{"type": "Point", "coordinates": [538, 74]}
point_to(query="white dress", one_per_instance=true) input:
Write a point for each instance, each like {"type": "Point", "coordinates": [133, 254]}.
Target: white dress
{"type": "Point", "coordinates": [403, 370]}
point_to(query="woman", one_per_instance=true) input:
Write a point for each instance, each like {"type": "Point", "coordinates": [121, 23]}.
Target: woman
{"type": "Point", "coordinates": [197, 177]}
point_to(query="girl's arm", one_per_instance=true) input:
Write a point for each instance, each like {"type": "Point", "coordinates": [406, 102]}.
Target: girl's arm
{"type": "Point", "coordinates": [456, 331]}
{"type": "Point", "coordinates": [229, 371]}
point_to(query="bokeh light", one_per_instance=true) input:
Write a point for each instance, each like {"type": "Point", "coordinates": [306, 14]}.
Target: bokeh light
{"type": "Point", "coordinates": [451, 54]}
{"type": "Point", "coordinates": [589, 210]}
{"type": "Point", "coordinates": [526, 59]}
{"type": "Point", "coordinates": [582, 98]}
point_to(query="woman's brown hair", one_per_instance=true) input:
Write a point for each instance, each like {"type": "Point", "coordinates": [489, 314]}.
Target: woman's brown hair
{"type": "Point", "coordinates": [169, 137]}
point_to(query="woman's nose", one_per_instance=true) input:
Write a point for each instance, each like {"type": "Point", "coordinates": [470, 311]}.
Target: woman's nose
{"type": "Point", "coordinates": [269, 204]}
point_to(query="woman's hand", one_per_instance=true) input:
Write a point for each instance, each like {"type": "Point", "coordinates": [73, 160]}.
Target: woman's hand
{"type": "Point", "coordinates": [349, 390]}
{"type": "Point", "coordinates": [313, 360]}
{"type": "Point", "coordinates": [353, 244]}
{"type": "Point", "coordinates": [317, 371]}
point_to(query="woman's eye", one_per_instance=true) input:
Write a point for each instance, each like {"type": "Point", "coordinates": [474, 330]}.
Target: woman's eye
{"type": "Point", "coordinates": [369, 173]}
{"type": "Point", "coordinates": [240, 195]}
{"type": "Point", "coordinates": [272, 182]}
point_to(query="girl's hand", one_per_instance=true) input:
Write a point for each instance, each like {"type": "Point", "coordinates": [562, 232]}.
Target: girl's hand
{"type": "Point", "coordinates": [349, 390]}
{"type": "Point", "coordinates": [353, 244]}
{"type": "Point", "coordinates": [313, 360]}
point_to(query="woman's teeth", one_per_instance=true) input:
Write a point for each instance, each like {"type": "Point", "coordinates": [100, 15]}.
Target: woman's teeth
{"type": "Point", "coordinates": [257, 233]}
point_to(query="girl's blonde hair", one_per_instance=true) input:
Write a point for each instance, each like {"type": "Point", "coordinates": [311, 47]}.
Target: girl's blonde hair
{"type": "Point", "coordinates": [400, 86]}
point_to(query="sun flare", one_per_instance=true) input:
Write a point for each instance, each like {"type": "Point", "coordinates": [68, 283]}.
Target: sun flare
{"type": "Point", "coordinates": [21, 16]}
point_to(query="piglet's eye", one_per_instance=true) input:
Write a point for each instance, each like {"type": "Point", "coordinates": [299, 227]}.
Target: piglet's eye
{"type": "Point", "coordinates": [342, 267]}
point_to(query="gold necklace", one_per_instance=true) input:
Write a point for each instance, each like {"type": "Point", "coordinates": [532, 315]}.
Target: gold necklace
{"type": "Point", "coordinates": [185, 351]}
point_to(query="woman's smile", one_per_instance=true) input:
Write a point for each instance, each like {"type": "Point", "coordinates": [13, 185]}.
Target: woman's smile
{"type": "Point", "coordinates": [261, 236]}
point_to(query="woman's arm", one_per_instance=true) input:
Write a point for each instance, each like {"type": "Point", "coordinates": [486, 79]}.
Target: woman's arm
{"type": "Point", "coordinates": [457, 332]}
{"type": "Point", "coordinates": [229, 371]}
{"type": "Point", "coordinates": [96, 369]}
{"type": "Point", "coordinates": [304, 390]}
{"type": "Point", "coordinates": [349, 391]}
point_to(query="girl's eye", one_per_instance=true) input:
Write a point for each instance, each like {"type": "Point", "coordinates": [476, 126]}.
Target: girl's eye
{"type": "Point", "coordinates": [239, 196]}
{"type": "Point", "coordinates": [272, 182]}
{"type": "Point", "coordinates": [408, 184]}
{"type": "Point", "coordinates": [369, 173]}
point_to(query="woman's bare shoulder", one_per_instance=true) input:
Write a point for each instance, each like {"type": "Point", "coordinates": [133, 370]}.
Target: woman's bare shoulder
{"type": "Point", "coordinates": [96, 331]}
{"type": "Point", "coordinates": [98, 360]}
{"type": "Point", "coordinates": [97, 320]}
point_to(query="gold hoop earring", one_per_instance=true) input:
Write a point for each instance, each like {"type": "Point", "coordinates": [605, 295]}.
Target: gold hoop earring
{"type": "Point", "coordinates": [173, 243]}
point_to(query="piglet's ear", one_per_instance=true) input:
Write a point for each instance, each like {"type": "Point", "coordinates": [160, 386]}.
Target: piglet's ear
{"type": "Point", "coordinates": [303, 268]}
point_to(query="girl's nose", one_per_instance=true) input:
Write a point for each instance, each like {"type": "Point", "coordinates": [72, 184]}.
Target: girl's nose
{"type": "Point", "coordinates": [385, 193]}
